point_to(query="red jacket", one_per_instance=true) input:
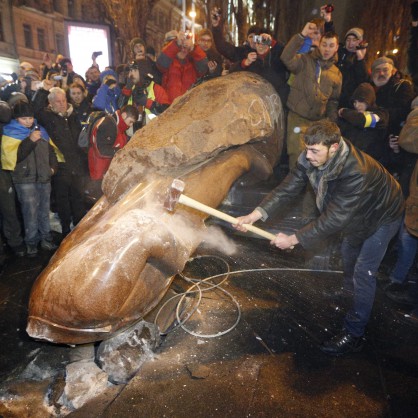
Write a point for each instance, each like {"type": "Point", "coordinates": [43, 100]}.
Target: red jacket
{"type": "Point", "coordinates": [180, 75]}
{"type": "Point", "coordinates": [107, 137]}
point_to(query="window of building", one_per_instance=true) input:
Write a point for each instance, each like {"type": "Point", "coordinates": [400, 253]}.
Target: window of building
{"type": "Point", "coordinates": [59, 40]}
{"type": "Point", "coordinates": [1, 28]}
{"type": "Point", "coordinates": [27, 33]}
{"type": "Point", "coordinates": [41, 39]}
{"type": "Point", "coordinates": [57, 6]}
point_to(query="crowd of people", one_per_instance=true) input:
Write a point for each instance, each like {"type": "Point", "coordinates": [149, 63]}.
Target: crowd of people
{"type": "Point", "coordinates": [60, 130]}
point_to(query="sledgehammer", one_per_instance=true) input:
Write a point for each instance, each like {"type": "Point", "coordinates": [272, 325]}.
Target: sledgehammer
{"type": "Point", "coordinates": [175, 195]}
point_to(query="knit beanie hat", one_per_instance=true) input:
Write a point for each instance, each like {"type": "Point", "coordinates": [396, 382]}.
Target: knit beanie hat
{"type": "Point", "coordinates": [380, 61]}
{"type": "Point", "coordinates": [22, 110]}
{"type": "Point", "coordinates": [364, 93]}
{"type": "Point", "coordinates": [357, 32]}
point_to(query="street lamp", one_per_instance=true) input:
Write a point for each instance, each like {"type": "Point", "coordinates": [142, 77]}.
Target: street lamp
{"type": "Point", "coordinates": [192, 14]}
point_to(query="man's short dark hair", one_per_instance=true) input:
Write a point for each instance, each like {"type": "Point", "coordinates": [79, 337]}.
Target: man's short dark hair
{"type": "Point", "coordinates": [131, 111]}
{"type": "Point", "coordinates": [322, 132]}
{"type": "Point", "coordinates": [329, 35]}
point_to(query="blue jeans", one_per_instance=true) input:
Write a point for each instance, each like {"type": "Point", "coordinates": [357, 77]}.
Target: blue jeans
{"type": "Point", "coordinates": [34, 200]}
{"type": "Point", "coordinates": [407, 247]}
{"type": "Point", "coordinates": [360, 267]}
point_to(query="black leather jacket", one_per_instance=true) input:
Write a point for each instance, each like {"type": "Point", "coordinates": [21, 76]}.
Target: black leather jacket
{"type": "Point", "coordinates": [358, 198]}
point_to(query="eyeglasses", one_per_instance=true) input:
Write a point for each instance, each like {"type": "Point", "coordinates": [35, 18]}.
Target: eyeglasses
{"type": "Point", "coordinates": [205, 41]}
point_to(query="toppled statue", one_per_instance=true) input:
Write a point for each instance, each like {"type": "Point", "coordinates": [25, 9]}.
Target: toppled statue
{"type": "Point", "coordinates": [119, 261]}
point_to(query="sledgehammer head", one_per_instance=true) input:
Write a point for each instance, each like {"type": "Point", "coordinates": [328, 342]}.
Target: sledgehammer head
{"type": "Point", "coordinates": [173, 194]}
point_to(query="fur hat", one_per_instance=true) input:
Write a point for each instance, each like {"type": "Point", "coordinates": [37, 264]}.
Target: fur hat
{"type": "Point", "coordinates": [365, 93]}
{"type": "Point", "coordinates": [382, 60]}
{"type": "Point", "coordinates": [357, 32]}
{"type": "Point", "coordinates": [22, 110]}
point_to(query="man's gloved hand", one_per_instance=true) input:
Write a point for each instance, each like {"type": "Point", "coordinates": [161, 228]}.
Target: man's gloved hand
{"type": "Point", "coordinates": [140, 96]}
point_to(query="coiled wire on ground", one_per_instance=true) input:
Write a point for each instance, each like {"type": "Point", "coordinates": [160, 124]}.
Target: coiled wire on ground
{"type": "Point", "coordinates": [197, 283]}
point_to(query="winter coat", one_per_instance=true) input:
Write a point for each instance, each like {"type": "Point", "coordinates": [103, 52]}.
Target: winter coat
{"type": "Point", "coordinates": [396, 97]}
{"type": "Point", "coordinates": [356, 196]}
{"type": "Point", "coordinates": [229, 51]}
{"type": "Point", "coordinates": [107, 137]}
{"type": "Point", "coordinates": [354, 72]}
{"type": "Point", "coordinates": [316, 87]}
{"type": "Point", "coordinates": [271, 67]}
{"type": "Point", "coordinates": [64, 131]}
{"type": "Point", "coordinates": [107, 98]}
{"type": "Point", "coordinates": [180, 75]}
{"type": "Point", "coordinates": [28, 161]}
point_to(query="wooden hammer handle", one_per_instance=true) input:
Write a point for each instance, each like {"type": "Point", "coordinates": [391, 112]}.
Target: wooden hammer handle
{"type": "Point", "coordinates": [188, 201]}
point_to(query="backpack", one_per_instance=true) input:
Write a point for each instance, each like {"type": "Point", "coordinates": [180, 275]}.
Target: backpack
{"type": "Point", "coordinates": [84, 136]}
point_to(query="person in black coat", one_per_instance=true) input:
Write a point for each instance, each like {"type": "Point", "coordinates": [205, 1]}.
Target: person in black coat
{"type": "Point", "coordinates": [63, 127]}
{"type": "Point", "coordinates": [356, 197]}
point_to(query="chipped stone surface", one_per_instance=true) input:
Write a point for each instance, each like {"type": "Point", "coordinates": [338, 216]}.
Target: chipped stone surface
{"type": "Point", "coordinates": [84, 381]}
{"type": "Point", "coordinates": [122, 355]}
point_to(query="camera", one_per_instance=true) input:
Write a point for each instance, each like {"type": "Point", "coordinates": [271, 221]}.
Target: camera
{"type": "Point", "coordinates": [64, 70]}
{"type": "Point", "coordinates": [216, 13]}
{"type": "Point", "coordinates": [259, 39]}
{"type": "Point", "coordinates": [329, 8]}
{"type": "Point", "coordinates": [96, 54]}
{"type": "Point", "coordinates": [36, 128]}
{"type": "Point", "coordinates": [57, 77]}
{"type": "Point", "coordinates": [362, 45]}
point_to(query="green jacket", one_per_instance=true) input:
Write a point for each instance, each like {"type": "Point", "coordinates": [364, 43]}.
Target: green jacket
{"type": "Point", "coordinates": [316, 86]}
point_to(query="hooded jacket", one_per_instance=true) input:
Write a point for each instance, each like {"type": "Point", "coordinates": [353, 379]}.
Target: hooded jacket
{"type": "Point", "coordinates": [316, 87]}
{"type": "Point", "coordinates": [355, 196]}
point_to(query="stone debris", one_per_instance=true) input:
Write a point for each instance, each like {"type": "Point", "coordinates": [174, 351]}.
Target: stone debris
{"type": "Point", "coordinates": [122, 355]}
{"type": "Point", "coordinates": [84, 381]}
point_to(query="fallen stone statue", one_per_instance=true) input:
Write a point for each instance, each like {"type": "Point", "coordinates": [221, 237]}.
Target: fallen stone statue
{"type": "Point", "coordinates": [119, 261]}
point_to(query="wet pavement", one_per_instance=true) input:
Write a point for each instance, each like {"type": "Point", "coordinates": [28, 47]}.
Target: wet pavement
{"type": "Point", "coordinates": [254, 352]}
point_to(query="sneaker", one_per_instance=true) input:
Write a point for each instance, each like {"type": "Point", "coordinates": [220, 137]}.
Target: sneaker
{"type": "Point", "coordinates": [341, 344]}
{"type": "Point", "coordinates": [19, 250]}
{"type": "Point", "coordinates": [48, 245]}
{"type": "Point", "coordinates": [32, 250]}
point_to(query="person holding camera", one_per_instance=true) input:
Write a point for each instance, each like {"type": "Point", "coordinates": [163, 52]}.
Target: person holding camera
{"type": "Point", "coordinates": [63, 126]}
{"type": "Point", "coordinates": [233, 53]}
{"type": "Point", "coordinates": [141, 91]}
{"type": "Point", "coordinates": [181, 62]}
{"type": "Point", "coordinates": [352, 64]}
{"type": "Point", "coordinates": [316, 86]}
{"type": "Point", "coordinates": [107, 96]}
{"type": "Point", "coordinates": [265, 61]}
{"type": "Point", "coordinates": [26, 150]}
